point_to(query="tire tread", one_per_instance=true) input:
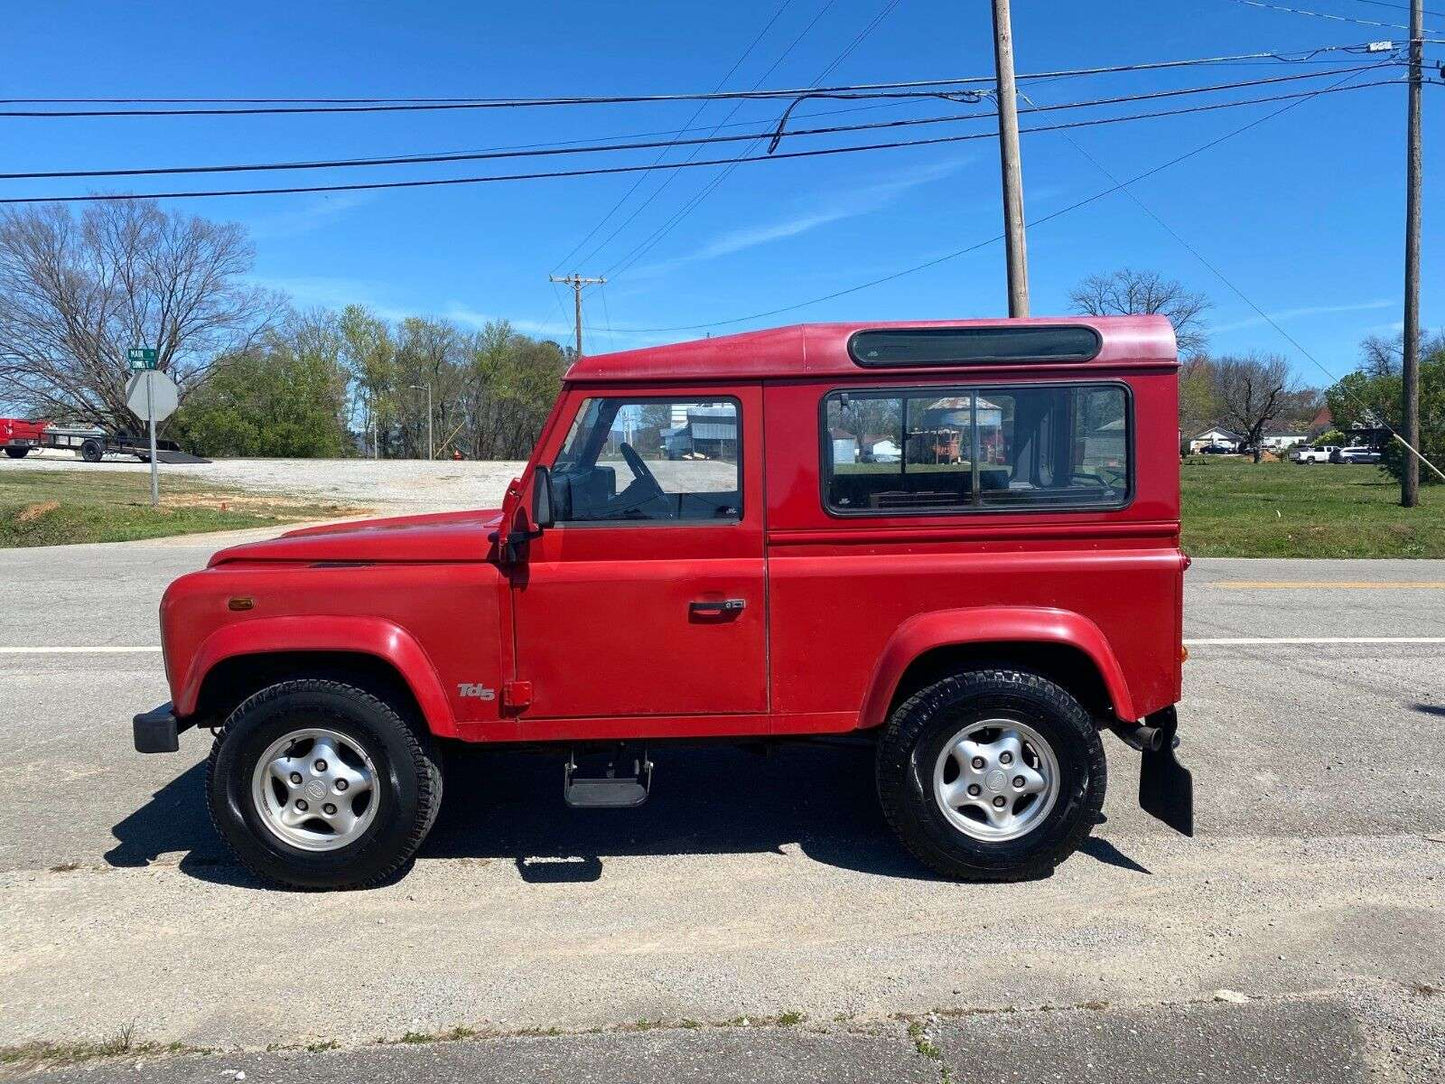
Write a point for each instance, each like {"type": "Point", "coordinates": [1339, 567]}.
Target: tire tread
{"type": "Point", "coordinates": [902, 732]}
{"type": "Point", "coordinates": [422, 751]}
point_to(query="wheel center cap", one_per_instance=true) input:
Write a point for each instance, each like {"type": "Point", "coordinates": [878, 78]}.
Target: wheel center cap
{"type": "Point", "coordinates": [996, 781]}
{"type": "Point", "coordinates": [316, 789]}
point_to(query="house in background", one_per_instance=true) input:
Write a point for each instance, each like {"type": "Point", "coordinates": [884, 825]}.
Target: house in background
{"type": "Point", "coordinates": [1279, 442]}
{"type": "Point", "coordinates": [701, 429]}
{"type": "Point", "coordinates": [1217, 435]}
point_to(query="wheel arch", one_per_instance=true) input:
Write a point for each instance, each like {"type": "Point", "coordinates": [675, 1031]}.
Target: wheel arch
{"type": "Point", "coordinates": [1063, 646]}
{"type": "Point", "coordinates": [372, 654]}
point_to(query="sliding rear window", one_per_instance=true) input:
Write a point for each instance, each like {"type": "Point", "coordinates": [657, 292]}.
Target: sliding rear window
{"type": "Point", "coordinates": [914, 347]}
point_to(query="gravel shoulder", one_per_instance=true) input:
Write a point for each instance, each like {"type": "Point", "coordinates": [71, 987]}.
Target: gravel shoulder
{"type": "Point", "coordinates": [393, 486]}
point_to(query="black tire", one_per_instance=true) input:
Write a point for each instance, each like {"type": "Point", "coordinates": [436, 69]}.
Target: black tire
{"type": "Point", "coordinates": [17, 453]}
{"type": "Point", "coordinates": [91, 452]}
{"type": "Point", "coordinates": [915, 737]}
{"type": "Point", "coordinates": [408, 791]}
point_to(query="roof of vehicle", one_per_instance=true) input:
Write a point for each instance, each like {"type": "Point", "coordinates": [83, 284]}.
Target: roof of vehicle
{"type": "Point", "coordinates": [822, 349]}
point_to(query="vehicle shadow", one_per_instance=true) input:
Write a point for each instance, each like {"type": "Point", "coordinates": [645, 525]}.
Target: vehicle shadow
{"type": "Point", "coordinates": [176, 820]}
{"type": "Point", "coordinates": [506, 805]}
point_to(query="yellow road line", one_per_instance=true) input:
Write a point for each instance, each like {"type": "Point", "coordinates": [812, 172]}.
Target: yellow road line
{"type": "Point", "coordinates": [1335, 585]}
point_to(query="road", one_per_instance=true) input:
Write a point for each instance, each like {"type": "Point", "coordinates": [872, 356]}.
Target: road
{"type": "Point", "coordinates": [755, 887]}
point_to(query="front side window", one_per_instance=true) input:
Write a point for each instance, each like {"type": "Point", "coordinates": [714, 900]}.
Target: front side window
{"type": "Point", "coordinates": [664, 460]}
{"type": "Point", "coordinates": [964, 449]}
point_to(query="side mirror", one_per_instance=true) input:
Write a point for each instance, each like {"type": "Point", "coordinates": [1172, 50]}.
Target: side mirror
{"type": "Point", "coordinates": [542, 498]}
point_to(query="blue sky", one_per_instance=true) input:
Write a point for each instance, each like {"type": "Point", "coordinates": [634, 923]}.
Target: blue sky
{"type": "Point", "coordinates": [1303, 213]}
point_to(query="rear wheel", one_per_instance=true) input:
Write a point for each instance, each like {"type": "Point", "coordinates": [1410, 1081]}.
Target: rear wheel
{"type": "Point", "coordinates": [991, 775]}
{"type": "Point", "coordinates": [91, 451]}
{"type": "Point", "coordinates": [17, 453]}
{"type": "Point", "coordinates": [318, 784]}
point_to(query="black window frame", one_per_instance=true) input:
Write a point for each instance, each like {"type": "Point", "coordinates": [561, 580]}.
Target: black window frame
{"type": "Point", "coordinates": [825, 450]}
{"type": "Point", "coordinates": [922, 333]}
{"type": "Point", "coordinates": [675, 524]}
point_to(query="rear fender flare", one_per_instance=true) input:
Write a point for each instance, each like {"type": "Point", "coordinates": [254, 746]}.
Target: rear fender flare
{"type": "Point", "coordinates": [372, 636]}
{"type": "Point", "coordinates": [977, 625]}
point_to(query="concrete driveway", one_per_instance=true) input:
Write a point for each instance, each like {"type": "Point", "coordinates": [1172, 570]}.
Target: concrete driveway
{"type": "Point", "coordinates": [757, 888]}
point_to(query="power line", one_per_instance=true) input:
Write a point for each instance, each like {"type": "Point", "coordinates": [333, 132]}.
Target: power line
{"type": "Point", "coordinates": [407, 105]}
{"type": "Point", "coordinates": [1222, 277]}
{"type": "Point", "coordinates": [1397, 7]}
{"type": "Point", "coordinates": [656, 237]}
{"type": "Point", "coordinates": [663, 153]}
{"type": "Point", "coordinates": [577, 147]}
{"type": "Point", "coordinates": [622, 265]}
{"type": "Point", "coordinates": [110, 197]}
{"type": "Point", "coordinates": [712, 186]}
{"type": "Point", "coordinates": [1300, 100]}
{"type": "Point", "coordinates": [666, 181]}
{"type": "Point", "coordinates": [1324, 15]}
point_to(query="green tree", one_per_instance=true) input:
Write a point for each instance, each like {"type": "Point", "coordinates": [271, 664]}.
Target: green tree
{"type": "Point", "coordinates": [286, 398]}
{"type": "Point", "coordinates": [1371, 396]}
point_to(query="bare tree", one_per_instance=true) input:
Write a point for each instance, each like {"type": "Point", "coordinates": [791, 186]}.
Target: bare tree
{"type": "Point", "coordinates": [77, 293]}
{"type": "Point", "coordinates": [1252, 391]}
{"type": "Point", "coordinates": [1127, 292]}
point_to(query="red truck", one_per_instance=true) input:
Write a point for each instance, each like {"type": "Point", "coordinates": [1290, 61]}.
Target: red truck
{"type": "Point", "coordinates": [20, 437]}
{"type": "Point", "coordinates": [958, 541]}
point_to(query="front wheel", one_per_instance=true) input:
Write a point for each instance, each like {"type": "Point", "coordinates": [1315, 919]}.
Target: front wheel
{"type": "Point", "coordinates": [991, 775]}
{"type": "Point", "coordinates": [318, 784]}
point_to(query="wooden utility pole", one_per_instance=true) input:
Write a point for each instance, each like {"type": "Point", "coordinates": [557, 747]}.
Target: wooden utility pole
{"type": "Point", "coordinates": [1015, 244]}
{"type": "Point", "coordinates": [1410, 373]}
{"type": "Point", "coordinates": [576, 281]}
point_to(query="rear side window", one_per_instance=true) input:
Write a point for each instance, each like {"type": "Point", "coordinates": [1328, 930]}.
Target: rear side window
{"type": "Point", "coordinates": [971, 449]}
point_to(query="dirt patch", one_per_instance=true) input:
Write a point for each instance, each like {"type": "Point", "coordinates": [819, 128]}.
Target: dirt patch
{"type": "Point", "coordinates": [35, 511]}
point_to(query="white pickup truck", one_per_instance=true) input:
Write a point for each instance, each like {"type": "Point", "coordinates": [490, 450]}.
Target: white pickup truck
{"type": "Point", "coordinates": [1313, 453]}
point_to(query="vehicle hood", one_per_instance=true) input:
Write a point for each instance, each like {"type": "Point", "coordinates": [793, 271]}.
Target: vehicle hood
{"type": "Point", "coordinates": [442, 536]}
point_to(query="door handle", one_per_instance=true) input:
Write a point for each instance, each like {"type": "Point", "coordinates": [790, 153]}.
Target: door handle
{"type": "Point", "coordinates": [717, 606]}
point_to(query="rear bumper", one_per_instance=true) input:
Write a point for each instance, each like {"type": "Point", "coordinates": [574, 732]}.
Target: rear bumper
{"type": "Point", "coordinates": [158, 730]}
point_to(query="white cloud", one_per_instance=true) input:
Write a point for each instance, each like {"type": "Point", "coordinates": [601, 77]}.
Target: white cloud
{"type": "Point", "coordinates": [1307, 310]}
{"type": "Point", "coordinates": [310, 215]}
{"type": "Point", "coordinates": [834, 207]}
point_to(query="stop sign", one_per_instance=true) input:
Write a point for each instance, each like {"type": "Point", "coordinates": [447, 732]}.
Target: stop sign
{"type": "Point", "coordinates": [151, 395]}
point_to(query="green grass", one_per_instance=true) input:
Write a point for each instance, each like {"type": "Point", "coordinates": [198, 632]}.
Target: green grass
{"type": "Point", "coordinates": [1235, 508]}
{"type": "Point", "coordinates": [52, 508]}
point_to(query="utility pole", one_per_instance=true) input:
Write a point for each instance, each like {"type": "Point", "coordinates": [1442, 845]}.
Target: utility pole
{"type": "Point", "coordinates": [576, 281]}
{"type": "Point", "coordinates": [1015, 245]}
{"type": "Point", "coordinates": [430, 450]}
{"type": "Point", "coordinates": [1410, 372]}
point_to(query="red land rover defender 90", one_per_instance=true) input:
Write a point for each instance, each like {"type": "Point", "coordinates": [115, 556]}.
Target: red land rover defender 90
{"type": "Point", "coordinates": [958, 539]}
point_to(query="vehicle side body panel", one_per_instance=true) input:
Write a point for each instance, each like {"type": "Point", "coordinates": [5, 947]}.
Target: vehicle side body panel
{"type": "Point", "coordinates": [438, 625]}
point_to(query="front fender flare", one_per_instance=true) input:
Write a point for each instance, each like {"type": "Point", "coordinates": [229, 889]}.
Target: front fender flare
{"type": "Point", "coordinates": [372, 636]}
{"type": "Point", "coordinates": [990, 624]}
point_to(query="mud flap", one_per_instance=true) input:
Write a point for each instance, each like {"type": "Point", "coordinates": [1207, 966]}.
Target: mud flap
{"type": "Point", "coordinates": [1166, 787]}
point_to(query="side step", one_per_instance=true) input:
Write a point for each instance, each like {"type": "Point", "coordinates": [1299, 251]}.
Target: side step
{"type": "Point", "coordinates": [619, 779]}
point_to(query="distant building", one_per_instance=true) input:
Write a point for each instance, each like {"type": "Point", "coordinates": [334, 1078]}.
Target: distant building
{"type": "Point", "coordinates": [1278, 442]}
{"type": "Point", "coordinates": [1217, 435]}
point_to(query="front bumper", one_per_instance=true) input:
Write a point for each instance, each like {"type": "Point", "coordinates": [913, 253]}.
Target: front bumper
{"type": "Point", "coordinates": [158, 730]}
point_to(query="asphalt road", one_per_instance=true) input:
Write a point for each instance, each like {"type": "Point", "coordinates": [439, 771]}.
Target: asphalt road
{"type": "Point", "coordinates": [752, 887]}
